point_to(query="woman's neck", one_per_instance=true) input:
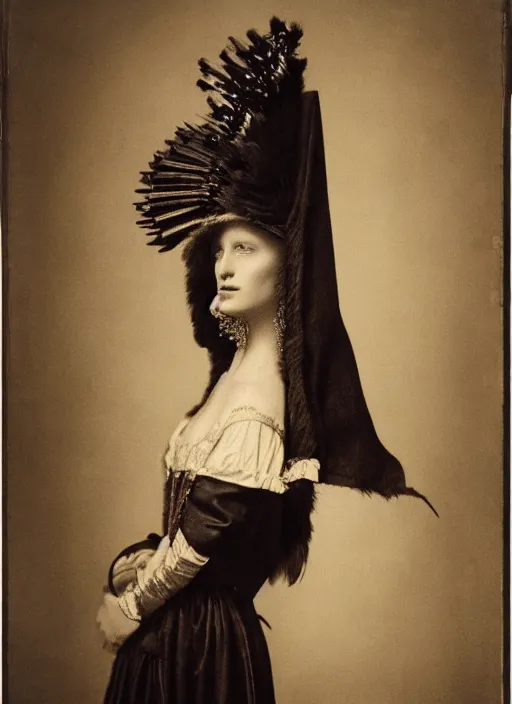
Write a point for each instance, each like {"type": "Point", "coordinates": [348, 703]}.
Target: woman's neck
{"type": "Point", "coordinates": [260, 355]}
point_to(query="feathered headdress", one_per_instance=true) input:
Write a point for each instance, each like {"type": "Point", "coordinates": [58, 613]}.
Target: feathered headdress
{"type": "Point", "coordinates": [200, 175]}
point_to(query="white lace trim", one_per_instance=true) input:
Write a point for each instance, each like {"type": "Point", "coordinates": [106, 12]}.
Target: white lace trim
{"type": "Point", "coordinates": [303, 468]}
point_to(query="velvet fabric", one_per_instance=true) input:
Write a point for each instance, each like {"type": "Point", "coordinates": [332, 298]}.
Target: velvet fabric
{"type": "Point", "coordinates": [204, 646]}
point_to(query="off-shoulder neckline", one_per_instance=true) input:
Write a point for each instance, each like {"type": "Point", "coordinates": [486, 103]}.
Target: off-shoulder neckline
{"type": "Point", "coordinates": [251, 412]}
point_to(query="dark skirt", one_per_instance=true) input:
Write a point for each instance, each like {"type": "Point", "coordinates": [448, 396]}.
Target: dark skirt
{"type": "Point", "coordinates": [204, 646]}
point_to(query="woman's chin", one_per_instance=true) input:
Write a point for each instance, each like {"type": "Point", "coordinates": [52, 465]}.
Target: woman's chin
{"type": "Point", "coordinates": [234, 313]}
{"type": "Point", "coordinates": [228, 309]}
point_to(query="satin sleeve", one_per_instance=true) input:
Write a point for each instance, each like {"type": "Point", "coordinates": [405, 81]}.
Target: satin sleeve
{"type": "Point", "coordinates": [225, 499]}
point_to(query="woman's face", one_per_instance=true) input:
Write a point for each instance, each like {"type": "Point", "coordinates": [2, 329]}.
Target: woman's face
{"type": "Point", "coordinates": [247, 264]}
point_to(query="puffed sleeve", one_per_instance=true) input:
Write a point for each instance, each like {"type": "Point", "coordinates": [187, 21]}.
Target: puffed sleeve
{"type": "Point", "coordinates": [221, 501]}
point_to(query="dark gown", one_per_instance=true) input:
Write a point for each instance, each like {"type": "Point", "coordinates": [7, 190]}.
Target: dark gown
{"type": "Point", "coordinates": [200, 639]}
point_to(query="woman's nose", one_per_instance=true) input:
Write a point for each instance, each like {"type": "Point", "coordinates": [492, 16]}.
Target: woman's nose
{"type": "Point", "coordinates": [225, 265]}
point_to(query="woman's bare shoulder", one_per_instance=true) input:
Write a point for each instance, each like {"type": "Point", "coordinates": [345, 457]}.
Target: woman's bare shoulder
{"type": "Point", "coordinates": [266, 395]}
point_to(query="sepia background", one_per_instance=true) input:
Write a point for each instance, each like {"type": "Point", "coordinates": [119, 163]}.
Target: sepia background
{"type": "Point", "coordinates": [396, 606]}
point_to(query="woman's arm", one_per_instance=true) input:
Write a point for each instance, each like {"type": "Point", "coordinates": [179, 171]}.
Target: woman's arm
{"type": "Point", "coordinates": [222, 501]}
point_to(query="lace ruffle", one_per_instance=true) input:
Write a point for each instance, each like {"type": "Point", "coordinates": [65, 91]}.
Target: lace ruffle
{"type": "Point", "coordinates": [301, 468]}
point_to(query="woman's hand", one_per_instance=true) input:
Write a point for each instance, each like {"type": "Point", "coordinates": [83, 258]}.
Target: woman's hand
{"type": "Point", "coordinates": [124, 571]}
{"type": "Point", "coordinates": [115, 626]}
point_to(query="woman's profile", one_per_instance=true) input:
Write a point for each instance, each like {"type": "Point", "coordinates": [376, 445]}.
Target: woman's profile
{"type": "Point", "coordinates": [284, 409]}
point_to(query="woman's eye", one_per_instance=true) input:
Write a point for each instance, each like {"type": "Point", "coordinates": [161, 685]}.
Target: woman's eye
{"type": "Point", "coordinates": [240, 247]}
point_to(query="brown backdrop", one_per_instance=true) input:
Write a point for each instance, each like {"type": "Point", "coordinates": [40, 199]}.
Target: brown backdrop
{"type": "Point", "coordinates": [396, 605]}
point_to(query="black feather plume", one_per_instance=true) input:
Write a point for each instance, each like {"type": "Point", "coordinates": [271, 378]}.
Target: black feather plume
{"type": "Point", "coordinates": [193, 178]}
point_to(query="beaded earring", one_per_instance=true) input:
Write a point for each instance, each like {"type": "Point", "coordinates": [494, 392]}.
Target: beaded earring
{"type": "Point", "coordinates": [236, 329]}
{"type": "Point", "coordinates": [233, 328]}
{"type": "Point", "coordinates": [280, 326]}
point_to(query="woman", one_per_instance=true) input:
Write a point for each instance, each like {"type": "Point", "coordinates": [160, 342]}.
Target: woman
{"type": "Point", "coordinates": [234, 444]}
{"type": "Point", "coordinates": [284, 407]}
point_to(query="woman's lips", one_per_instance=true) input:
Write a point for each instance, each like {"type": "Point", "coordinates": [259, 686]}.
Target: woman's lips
{"type": "Point", "coordinates": [226, 292]}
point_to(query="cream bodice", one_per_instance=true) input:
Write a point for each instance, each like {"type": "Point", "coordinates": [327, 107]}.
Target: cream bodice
{"type": "Point", "coordinates": [247, 449]}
